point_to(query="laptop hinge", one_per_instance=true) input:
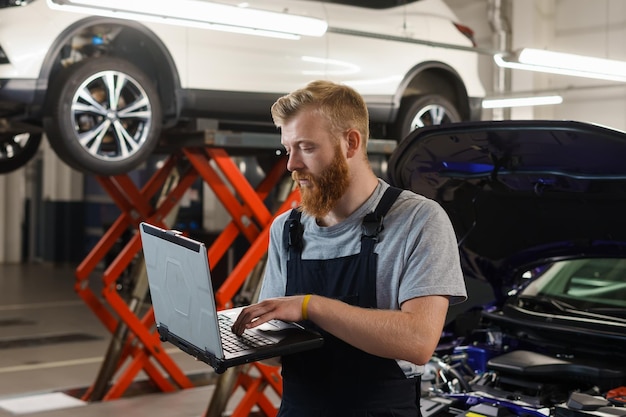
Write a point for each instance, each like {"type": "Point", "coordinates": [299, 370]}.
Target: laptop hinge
{"type": "Point", "coordinates": [163, 332]}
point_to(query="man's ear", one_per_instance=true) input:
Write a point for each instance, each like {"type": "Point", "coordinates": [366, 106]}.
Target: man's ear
{"type": "Point", "coordinates": [354, 141]}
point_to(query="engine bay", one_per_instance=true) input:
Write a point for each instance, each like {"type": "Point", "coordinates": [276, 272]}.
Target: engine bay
{"type": "Point", "coordinates": [495, 374]}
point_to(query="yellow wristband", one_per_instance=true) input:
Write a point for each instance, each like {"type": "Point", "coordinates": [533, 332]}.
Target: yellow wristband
{"type": "Point", "coordinates": [305, 303]}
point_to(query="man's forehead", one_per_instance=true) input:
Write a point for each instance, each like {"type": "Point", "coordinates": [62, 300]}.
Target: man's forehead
{"type": "Point", "coordinates": [303, 131]}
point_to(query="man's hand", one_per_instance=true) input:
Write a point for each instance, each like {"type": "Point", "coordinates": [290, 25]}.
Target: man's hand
{"type": "Point", "coordinates": [283, 308]}
{"type": "Point", "coordinates": [411, 333]}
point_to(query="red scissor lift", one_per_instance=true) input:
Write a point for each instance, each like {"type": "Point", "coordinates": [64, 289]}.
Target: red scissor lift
{"type": "Point", "coordinates": [207, 155]}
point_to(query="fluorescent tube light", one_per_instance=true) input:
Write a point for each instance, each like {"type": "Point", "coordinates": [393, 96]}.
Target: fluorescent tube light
{"type": "Point", "coordinates": [501, 102]}
{"type": "Point", "coordinates": [564, 64]}
{"type": "Point", "coordinates": [201, 14]}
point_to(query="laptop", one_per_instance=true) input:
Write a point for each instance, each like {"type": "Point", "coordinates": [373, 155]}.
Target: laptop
{"type": "Point", "coordinates": [186, 316]}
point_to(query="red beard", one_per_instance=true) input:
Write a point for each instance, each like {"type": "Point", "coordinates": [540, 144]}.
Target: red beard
{"type": "Point", "coordinates": [324, 190]}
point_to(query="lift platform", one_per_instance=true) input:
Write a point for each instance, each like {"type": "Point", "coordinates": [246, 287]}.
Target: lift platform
{"type": "Point", "coordinates": [211, 156]}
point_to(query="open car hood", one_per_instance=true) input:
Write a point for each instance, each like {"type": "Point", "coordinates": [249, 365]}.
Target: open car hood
{"type": "Point", "coordinates": [520, 193]}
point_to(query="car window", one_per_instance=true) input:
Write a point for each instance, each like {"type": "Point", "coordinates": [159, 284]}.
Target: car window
{"type": "Point", "coordinates": [586, 284]}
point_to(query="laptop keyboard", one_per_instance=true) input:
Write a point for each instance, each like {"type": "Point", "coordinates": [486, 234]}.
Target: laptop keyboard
{"type": "Point", "coordinates": [232, 343]}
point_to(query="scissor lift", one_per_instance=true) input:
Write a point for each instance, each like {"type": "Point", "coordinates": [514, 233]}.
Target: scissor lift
{"type": "Point", "coordinates": [206, 154]}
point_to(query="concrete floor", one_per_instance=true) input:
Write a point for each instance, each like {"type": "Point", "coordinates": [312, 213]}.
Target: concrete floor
{"type": "Point", "coordinates": [52, 347]}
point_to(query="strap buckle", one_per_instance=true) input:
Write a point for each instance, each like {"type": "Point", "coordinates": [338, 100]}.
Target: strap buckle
{"type": "Point", "coordinates": [372, 226]}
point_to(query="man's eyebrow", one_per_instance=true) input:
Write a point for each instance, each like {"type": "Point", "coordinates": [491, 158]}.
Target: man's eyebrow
{"type": "Point", "coordinates": [298, 142]}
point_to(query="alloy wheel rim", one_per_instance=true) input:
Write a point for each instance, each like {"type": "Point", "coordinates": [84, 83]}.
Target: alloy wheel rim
{"type": "Point", "coordinates": [111, 115]}
{"type": "Point", "coordinates": [430, 115]}
{"type": "Point", "coordinates": [12, 146]}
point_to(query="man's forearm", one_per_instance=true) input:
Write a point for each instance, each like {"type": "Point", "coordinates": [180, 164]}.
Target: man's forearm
{"type": "Point", "coordinates": [411, 334]}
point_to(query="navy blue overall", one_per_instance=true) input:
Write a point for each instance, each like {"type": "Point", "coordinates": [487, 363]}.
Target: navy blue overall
{"type": "Point", "coordinates": [339, 379]}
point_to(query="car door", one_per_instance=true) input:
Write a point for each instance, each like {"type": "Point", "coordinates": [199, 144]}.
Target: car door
{"type": "Point", "coordinates": [365, 48]}
{"type": "Point", "coordinates": [249, 62]}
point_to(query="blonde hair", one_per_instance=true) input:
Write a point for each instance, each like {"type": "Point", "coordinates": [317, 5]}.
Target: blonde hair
{"type": "Point", "coordinates": [341, 105]}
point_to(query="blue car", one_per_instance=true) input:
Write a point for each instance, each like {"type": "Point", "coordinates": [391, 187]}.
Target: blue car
{"type": "Point", "coordinates": [539, 208]}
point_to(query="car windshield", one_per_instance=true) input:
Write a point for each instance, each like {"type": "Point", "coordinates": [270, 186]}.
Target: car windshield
{"type": "Point", "coordinates": [595, 285]}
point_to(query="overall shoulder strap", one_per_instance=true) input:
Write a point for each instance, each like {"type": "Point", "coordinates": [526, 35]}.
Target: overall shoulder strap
{"type": "Point", "coordinates": [373, 222]}
{"type": "Point", "coordinates": [292, 231]}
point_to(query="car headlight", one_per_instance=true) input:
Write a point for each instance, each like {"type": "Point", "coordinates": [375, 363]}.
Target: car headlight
{"type": "Point", "coordinates": [14, 3]}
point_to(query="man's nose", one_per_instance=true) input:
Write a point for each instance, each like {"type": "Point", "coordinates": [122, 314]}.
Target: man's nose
{"type": "Point", "coordinates": [294, 162]}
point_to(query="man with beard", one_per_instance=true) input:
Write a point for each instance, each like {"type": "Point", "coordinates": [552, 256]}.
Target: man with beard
{"type": "Point", "coordinates": [371, 267]}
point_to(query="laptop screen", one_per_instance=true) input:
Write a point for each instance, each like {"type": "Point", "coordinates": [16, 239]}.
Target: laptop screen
{"type": "Point", "coordinates": [181, 288]}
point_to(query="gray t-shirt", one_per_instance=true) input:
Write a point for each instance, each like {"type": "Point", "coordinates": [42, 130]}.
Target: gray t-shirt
{"type": "Point", "coordinates": [417, 252]}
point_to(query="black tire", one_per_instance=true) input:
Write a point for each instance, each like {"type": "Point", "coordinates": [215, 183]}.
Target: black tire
{"type": "Point", "coordinates": [86, 130]}
{"type": "Point", "coordinates": [17, 150]}
{"type": "Point", "coordinates": [420, 111]}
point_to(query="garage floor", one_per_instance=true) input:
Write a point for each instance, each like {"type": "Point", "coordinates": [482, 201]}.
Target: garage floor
{"type": "Point", "coordinates": [52, 346]}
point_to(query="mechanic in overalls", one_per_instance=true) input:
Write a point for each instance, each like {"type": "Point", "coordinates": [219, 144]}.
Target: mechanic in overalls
{"type": "Point", "coordinates": [371, 267]}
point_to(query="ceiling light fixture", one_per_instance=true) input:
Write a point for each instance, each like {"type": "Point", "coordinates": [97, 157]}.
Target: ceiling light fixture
{"type": "Point", "coordinates": [502, 102]}
{"type": "Point", "coordinates": [562, 63]}
{"type": "Point", "coordinates": [206, 15]}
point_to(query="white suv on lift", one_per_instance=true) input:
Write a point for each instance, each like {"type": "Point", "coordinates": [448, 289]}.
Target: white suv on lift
{"type": "Point", "coordinates": [104, 78]}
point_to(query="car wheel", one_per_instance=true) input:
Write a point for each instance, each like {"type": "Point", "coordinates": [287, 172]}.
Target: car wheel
{"type": "Point", "coordinates": [421, 111]}
{"type": "Point", "coordinates": [103, 116]}
{"type": "Point", "coordinates": [17, 150]}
